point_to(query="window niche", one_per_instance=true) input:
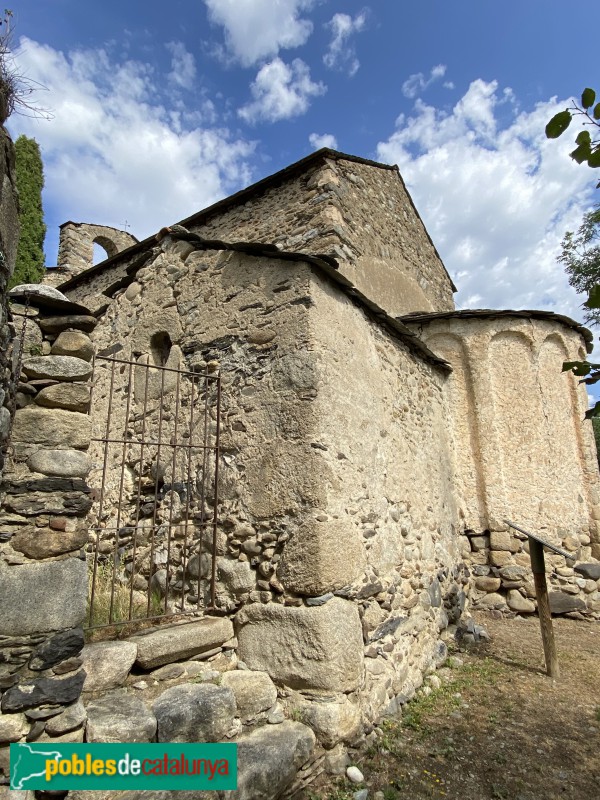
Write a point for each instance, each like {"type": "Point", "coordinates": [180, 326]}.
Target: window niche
{"type": "Point", "coordinates": [160, 348]}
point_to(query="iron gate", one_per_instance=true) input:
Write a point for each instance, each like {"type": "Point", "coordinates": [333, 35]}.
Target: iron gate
{"type": "Point", "coordinates": [155, 478]}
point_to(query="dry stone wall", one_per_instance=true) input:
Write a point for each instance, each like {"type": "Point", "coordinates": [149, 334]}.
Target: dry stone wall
{"type": "Point", "coordinates": [194, 690]}
{"type": "Point", "coordinates": [45, 499]}
{"type": "Point", "coordinates": [521, 452]}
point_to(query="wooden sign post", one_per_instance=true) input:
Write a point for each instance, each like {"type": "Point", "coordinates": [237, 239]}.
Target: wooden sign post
{"type": "Point", "coordinates": [538, 567]}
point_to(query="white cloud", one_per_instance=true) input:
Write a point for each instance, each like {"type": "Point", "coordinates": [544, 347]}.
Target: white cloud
{"type": "Point", "coordinates": [341, 55]}
{"type": "Point", "coordinates": [183, 65]}
{"type": "Point", "coordinates": [417, 83]}
{"type": "Point", "coordinates": [258, 29]}
{"type": "Point", "coordinates": [496, 199]}
{"type": "Point", "coordinates": [281, 91]}
{"type": "Point", "coordinates": [322, 140]}
{"type": "Point", "coordinates": [114, 152]}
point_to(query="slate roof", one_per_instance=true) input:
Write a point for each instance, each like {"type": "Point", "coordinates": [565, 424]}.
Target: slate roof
{"type": "Point", "coordinates": [489, 313]}
{"type": "Point", "coordinates": [276, 179]}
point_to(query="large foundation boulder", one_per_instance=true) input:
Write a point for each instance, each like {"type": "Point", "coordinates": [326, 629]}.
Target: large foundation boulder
{"type": "Point", "coordinates": [304, 648]}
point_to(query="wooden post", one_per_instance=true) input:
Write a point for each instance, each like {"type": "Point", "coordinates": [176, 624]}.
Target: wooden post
{"type": "Point", "coordinates": [536, 554]}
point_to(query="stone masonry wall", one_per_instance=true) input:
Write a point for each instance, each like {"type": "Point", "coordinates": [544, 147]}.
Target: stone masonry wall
{"type": "Point", "coordinates": [390, 256]}
{"type": "Point", "coordinates": [182, 682]}
{"type": "Point", "coordinates": [45, 498]}
{"type": "Point", "coordinates": [249, 321]}
{"type": "Point", "coordinates": [343, 639]}
{"type": "Point", "coordinates": [522, 452]}
{"type": "Point", "coordinates": [358, 213]}
{"type": "Point", "coordinates": [390, 506]}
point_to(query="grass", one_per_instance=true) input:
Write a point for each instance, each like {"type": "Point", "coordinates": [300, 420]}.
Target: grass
{"type": "Point", "coordinates": [448, 697]}
{"type": "Point", "coordinates": [339, 792]}
{"type": "Point", "coordinates": [389, 740]}
{"type": "Point", "coordinates": [473, 736]}
{"type": "Point", "coordinates": [391, 745]}
{"type": "Point", "coordinates": [100, 613]}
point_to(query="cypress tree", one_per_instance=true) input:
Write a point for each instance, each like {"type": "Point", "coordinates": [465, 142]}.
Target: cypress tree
{"type": "Point", "coordinates": [30, 265]}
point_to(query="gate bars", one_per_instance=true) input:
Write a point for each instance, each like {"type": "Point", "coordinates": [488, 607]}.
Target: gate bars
{"type": "Point", "coordinates": [159, 472]}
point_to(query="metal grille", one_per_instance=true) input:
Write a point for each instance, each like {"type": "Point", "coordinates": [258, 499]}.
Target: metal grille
{"type": "Point", "coordinates": [155, 479]}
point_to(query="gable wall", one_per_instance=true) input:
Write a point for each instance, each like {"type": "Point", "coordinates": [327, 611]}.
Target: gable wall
{"type": "Point", "coordinates": [360, 215]}
{"type": "Point", "coordinates": [389, 255]}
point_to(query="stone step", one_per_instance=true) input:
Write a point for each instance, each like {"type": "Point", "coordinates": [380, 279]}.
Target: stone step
{"type": "Point", "coordinates": [180, 642]}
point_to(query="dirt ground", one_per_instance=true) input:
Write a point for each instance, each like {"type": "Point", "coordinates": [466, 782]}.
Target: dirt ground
{"type": "Point", "coordinates": [497, 728]}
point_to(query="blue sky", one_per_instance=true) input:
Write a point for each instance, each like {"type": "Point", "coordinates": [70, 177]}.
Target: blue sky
{"type": "Point", "coordinates": [159, 109]}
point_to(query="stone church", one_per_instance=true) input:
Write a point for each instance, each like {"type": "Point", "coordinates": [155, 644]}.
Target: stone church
{"type": "Point", "coordinates": [369, 439]}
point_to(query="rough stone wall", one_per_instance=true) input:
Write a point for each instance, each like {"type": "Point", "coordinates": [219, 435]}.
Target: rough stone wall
{"type": "Point", "coordinates": [361, 215]}
{"type": "Point", "coordinates": [390, 506]}
{"type": "Point", "coordinates": [96, 290]}
{"type": "Point", "coordinates": [54, 276]}
{"type": "Point", "coordinates": [9, 238]}
{"type": "Point", "coordinates": [76, 248]}
{"type": "Point", "coordinates": [180, 683]}
{"type": "Point", "coordinates": [43, 579]}
{"type": "Point", "coordinates": [247, 316]}
{"type": "Point", "coordinates": [320, 455]}
{"type": "Point", "coordinates": [521, 452]}
{"type": "Point", "coordinates": [389, 254]}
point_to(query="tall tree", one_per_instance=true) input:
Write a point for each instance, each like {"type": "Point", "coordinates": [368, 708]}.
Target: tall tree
{"type": "Point", "coordinates": [30, 266]}
{"type": "Point", "coordinates": [581, 257]}
{"type": "Point", "coordinates": [586, 152]}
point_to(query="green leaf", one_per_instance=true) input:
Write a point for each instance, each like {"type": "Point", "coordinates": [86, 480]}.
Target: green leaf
{"type": "Point", "coordinates": [594, 159]}
{"type": "Point", "coordinates": [568, 365]}
{"type": "Point", "coordinates": [593, 412]}
{"type": "Point", "coordinates": [558, 124]}
{"type": "Point", "coordinates": [583, 137]}
{"type": "Point", "coordinates": [593, 300]}
{"type": "Point", "coordinates": [581, 153]}
{"type": "Point", "coordinates": [579, 368]}
{"type": "Point", "coordinates": [588, 97]}
{"type": "Point", "coordinates": [597, 111]}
